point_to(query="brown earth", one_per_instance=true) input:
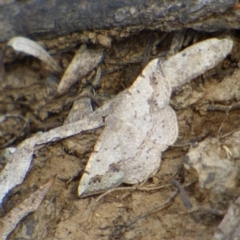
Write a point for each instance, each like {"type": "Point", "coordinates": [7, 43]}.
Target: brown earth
{"type": "Point", "coordinates": [28, 91]}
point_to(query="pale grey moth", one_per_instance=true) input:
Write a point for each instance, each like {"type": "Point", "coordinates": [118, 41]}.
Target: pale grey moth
{"type": "Point", "coordinates": [141, 126]}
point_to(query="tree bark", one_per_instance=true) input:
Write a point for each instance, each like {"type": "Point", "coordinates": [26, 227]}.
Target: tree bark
{"type": "Point", "coordinates": [48, 19]}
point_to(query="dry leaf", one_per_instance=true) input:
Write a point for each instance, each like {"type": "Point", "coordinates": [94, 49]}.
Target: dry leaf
{"type": "Point", "coordinates": [30, 47]}
{"type": "Point", "coordinates": [9, 222]}
{"type": "Point", "coordinates": [83, 62]}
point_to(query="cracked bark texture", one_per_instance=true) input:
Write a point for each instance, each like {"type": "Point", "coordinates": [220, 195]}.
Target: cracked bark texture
{"type": "Point", "coordinates": [49, 19]}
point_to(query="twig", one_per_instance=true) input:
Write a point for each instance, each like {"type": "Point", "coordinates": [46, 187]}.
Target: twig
{"type": "Point", "coordinates": [223, 108]}
{"type": "Point", "coordinates": [230, 133]}
{"type": "Point", "coordinates": [184, 198]}
{"type": "Point", "coordinates": [208, 211]}
{"type": "Point", "coordinates": [133, 188]}
{"type": "Point", "coordinates": [152, 210]}
{"type": "Point", "coordinates": [136, 187]}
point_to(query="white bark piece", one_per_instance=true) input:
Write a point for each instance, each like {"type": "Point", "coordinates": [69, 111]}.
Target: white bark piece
{"type": "Point", "coordinates": [83, 62]}
{"type": "Point", "coordinates": [17, 166]}
{"type": "Point", "coordinates": [25, 45]}
{"type": "Point", "coordinates": [195, 60]}
{"type": "Point", "coordinates": [9, 222]}
{"type": "Point", "coordinates": [149, 112]}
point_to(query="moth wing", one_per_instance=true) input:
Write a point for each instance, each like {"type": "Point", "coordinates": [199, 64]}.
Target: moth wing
{"type": "Point", "coordinates": [148, 158]}
{"type": "Point", "coordinates": [118, 142]}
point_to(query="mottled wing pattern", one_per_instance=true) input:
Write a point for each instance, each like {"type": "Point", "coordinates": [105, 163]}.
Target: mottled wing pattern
{"type": "Point", "coordinates": [147, 160]}
{"type": "Point", "coordinates": [134, 135]}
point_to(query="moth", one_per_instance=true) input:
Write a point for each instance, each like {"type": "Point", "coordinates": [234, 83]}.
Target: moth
{"type": "Point", "coordinates": [141, 126]}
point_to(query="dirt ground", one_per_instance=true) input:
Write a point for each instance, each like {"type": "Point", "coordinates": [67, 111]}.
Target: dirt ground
{"type": "Point", "coordinates": [149, 211]}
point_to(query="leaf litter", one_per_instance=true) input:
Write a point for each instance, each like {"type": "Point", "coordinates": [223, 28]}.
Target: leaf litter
{"type": "Point", "coordinates": [9, 222]}
{"type": "Point", "coordinates": [106, 110]}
